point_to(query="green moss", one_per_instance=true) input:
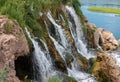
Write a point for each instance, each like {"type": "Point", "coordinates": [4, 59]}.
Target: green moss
{"type": "Point", "coordinates": [8, 28]}
{"type": "Point", "coordinates": [61, 77]}
{"type": "Point", "coordinates": [93, 63]}
{"type": "Point", "coordinates": [3, 74]}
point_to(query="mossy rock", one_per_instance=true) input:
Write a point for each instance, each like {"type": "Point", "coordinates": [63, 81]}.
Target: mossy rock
{"type": "Point", "coordinates": [89, 33]}
{"type": "Point", "coordinates": [57, 59]}
{"type": "Point", "coordinates": [61, 77]}
{"type": "Point", "coordinates": [82, 61]}
{"type": "Point", "coordinates": [98, 71]}
{"type": "Point", "coordinates": [69, 59]}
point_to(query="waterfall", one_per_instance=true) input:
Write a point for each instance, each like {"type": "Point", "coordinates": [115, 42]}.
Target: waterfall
{"type": "Point", "coordinates": [77, 33]}
{"type": "Point", "coordinates": [59, 48]}
{"type": "Point", "coordinates": [75, 72]}
{"type": "Point", "coordinates": [40, 59]}
{"type": "Point", "coordinates": [59, 30]}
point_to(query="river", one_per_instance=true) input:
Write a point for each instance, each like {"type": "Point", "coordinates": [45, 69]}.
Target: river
{"type": "Point", "coordinates": [110, 22]}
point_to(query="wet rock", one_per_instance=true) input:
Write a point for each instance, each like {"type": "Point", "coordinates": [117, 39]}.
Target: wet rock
{"type": "Point", "coordinates": [105, 68]}
{"type": "Point", "coordinates": [57, 59]}
{"type": "Point", "coordinates": [90, 37]}
{"type": "Point", "coordinates": [68, 59]}
{"type": "Point", "coordinates": [13, 44]}
{"type": "Point", "coordinates": [82, 62]}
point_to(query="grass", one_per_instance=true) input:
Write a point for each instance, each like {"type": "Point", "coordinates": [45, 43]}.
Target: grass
{"type": "Point", "coordinates": [104, 10]}
{"type": "Point", "coordinates": [26, 12]}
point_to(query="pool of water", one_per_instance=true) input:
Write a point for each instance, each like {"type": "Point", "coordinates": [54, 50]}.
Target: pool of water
{"type": "Point", "coordinates": [109, 22]}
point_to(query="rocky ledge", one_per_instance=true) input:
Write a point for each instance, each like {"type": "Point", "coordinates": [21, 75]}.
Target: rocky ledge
{"type": "Point", "coordinates": [13, 44]}
{"type": "Point", "coordinates": [99, 38]}
{"type": "Point", "coordinates": [104, 67]}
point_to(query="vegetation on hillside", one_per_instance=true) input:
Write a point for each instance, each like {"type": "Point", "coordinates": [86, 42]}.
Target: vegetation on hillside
{"type": "Point", "coordinates": [104, 10]}
{"type": "Point", "coordinates": [26, 12]}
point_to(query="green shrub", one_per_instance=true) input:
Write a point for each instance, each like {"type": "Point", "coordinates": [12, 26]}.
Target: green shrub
{"type": "Point", "coordinates": [54, 79]}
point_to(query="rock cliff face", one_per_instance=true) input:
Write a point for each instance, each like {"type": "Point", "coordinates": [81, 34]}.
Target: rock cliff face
{"type": "Point", "coordinates": [13, 44]}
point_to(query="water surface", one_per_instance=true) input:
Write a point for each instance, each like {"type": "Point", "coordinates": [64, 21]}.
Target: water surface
{"type": "Point", "coordinates": [109, 22]}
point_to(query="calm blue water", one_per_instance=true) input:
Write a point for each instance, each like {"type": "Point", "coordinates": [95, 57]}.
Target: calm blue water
{"type": "Point", "coordinates": [109, 22]}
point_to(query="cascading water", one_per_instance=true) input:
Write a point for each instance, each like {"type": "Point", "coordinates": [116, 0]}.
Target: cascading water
{"type": "Point", "coordinates": [40, 59]}
{"type": "Point", "coordinates": [77, 33]}
{"type": "Point", "coordinates": [80, 76]}
{"type": "Point", "coordinates": [59, 30]}
{"type": "Point", "coordinates": [59, 48]}
{"type": "Point", "coordinates": [117, 57]}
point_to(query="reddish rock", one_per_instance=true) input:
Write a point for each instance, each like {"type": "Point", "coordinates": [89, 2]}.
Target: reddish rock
{"type": "Point", "coordinates": [105, 39]}
{"type": "Point", "coordinates": [13, 44]}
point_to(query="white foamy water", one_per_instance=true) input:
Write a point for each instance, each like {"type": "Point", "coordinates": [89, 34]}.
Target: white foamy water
{"type": "Point", "coordinates": [77, 34]}
{"type": "Point", "coordinates": [59, 31]}
{"type": "Point", "coordinates": [75, 72]}
{"type": "Point", "coordinates": [117, 57]}
{"type": "Point", "coordinates": [40, 59]}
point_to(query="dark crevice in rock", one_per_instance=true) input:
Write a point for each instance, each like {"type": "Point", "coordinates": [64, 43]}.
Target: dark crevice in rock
{"type": "Point", "coordinates": [23, 67]}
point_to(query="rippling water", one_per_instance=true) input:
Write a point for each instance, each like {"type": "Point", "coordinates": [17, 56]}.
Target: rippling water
{"type": "Point", "coordinates": [110, 22]}
{"type": "Point", "coordinates": [101, 2]}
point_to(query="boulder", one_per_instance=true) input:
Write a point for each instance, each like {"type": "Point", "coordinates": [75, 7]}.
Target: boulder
{"type": "Point", "coordinates": [82, 62]}
{"type": "Point", "coordinates": [13, 44]}
{"type": "Point", "coordinates": [105, 68]}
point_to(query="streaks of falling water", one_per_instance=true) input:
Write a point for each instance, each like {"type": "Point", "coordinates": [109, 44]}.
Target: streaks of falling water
{"type": "Point", "coordinates": [40, 60]}
{"type": "Point", "coordinates": [80, 76]}
{"type": "Point", "coordinates": [77, 33]}
{"type": "Point", "coordinates": [60, 31]}
{"type": "Point", "coordinates": [59, 48]}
